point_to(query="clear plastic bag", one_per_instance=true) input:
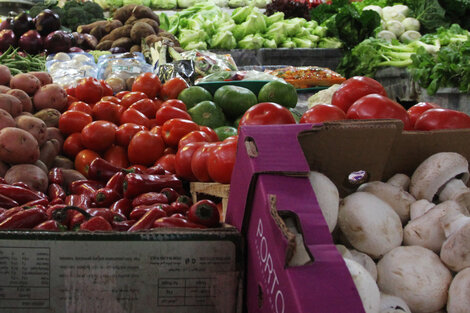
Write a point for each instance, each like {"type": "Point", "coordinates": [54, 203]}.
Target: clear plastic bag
{"type": "Point", "coordinates": [67, 68]}
{"type": "Point", "coordinates": [237, 75]}
{"type": "Point", "coordinates": [123, 65]}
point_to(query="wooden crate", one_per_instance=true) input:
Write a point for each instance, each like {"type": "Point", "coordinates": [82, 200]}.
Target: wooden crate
{"type": "Point", "coordinates": [213, 191]}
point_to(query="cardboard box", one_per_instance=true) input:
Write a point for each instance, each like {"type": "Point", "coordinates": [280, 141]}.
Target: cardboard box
{"type": "Point", "coordinates": [175, 271]}
{"type": "Point", "coordinates": [272, 203]}
{"type": "Point", "coordinates": [213, 191]}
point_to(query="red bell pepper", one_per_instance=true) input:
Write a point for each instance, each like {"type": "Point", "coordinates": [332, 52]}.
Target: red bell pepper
{"type": "Point", "coordinates": [204, 212]}
{"type": "Point", "coordinates": [155, 170]}
{"type": "Point", "coordinates": [56, 176]}
{"type": "Point", "coordinates": [178, 215]}
{"type": "Point", "coordinates": [50, 225]}
{"type": "Point", "coordinates": [19, 194]}
{"type": "Point", "coordinates": [42, 202]}
{"type": "Point", "coordinates": [102, 170]}
{"type": "Point", "coordinates": [81, 201]}
{"type": "Point", "coordinates": [139, 211]}
{"type": "Point", "coordinates": [85, 187]}
{"type": "Point", "coordinates": [170, 194]}
{"type": "Point", "coordinates": [146, 221]}
{"type": "Point", "coordinates": [55, 191]}
{"type": "Point", "coordinates": [178, 207]}
{"type": "Point", "coordinates": [24, 219]}
{"type": "Point", "coordinates": [185, 199]}
{"type": "Point", "coordinates": [57, 201]}
{"type": "Point", "coordinates": [122, 206]}
{"type": "Point", "coordinates": [52, 208]}
{"type": "Point", "coordinates": [149, 198]}
{"type": "Point", "coordinates": [175, 222]}
{"type": "Point", "coordinates": [115, 182]}
{"type": "Point", "coordinates": [10, 212]}
{"type": "Point", "coordinates": [105, 197]}
{"type": "Point", "coordinates": [136, 184]}
{"type": "Point", "coordinates": [2, 210]}
{"type": "Point", "coordinates": [7, 202]}
{"type": "Point", "coordinates": [96, 223]}
{"type": "Point", "coordinates": [22, 185]}
{"type": "Point", "coordinates": [123, 225]}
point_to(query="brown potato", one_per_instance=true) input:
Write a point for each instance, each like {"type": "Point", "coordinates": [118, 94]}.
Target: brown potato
{"type": "Point", "coordinates": [55, 133]}
{"type": "Point", "coordinates": [26, 82]}
{"type": "Point", "coordinates": [71, 175]}
{"type": "Point", "coordinates": [43, 77]}
{"type": "Point", "coordinates": [122, 14]}
{"type": "Point", "coordinates": [18, 146]}
{"type": "Point", "coordinates": [124, 42]}
{"type": "Point", "coordinates": [104, 45]}
{"type": "Point", "coordinates": [111, 25]}
{"type": "Point", "coordinates": [63, 162]}
{"type": "Point", "coordinates": [26, 103]}
{"type": "Point", "coordinates": [135, 48]}
{"type": "Point", "coordinates": [123, 31]}
{"type": "Point", "coordinates": [48, 152]}
{"type": "Point", "coordinates": [88, 27]}
{"type": "Point", "coordinates": [34, 126]}
{"type": "Point", "coordinates": [10, 104]}
{"type": "Point", "coordinates": [42, 166]}
{"type": "Point", "coordinates": [150, 22]}
{"type": "Point", "coordinates": [3, 168]}
{"type": "Point", "coordinates": [50, 96]}
{"type": "Point", "coordinates": [30, 174]}
{"type": "Point", "coordinates": [141, 30]}
{"type": "Point", "coordinates": [5, 75]}
{"type": "Point", "coordinates": [141, 11]}
{"type": "Point", "coordinates": [49, 116]}
{"type": "Point", "coordinates": [6, 120]}
{"type": "Point", "coordinates": [4, 89]}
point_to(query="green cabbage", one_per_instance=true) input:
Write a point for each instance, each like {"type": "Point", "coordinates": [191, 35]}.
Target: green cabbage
{"type": "Point", "coordinates": [223, 40]}
{"type": "Point", "coordinates": [251, 42]}
{"type": "Point", "coordinates": [164, 4]}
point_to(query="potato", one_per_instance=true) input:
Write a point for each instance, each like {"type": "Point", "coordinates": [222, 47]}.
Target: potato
{"type": "Point", "coordinates": [63, 162]}
{"type": "Point", "coordinates": [3, 168]}
{"type": "Point", "coordinates": [42, 166]}
{"type": "Point", "coordinates": [55, 133]}
{"type": "Point", "coordinates": [104, 45]}
{"type": "Point", "coordinates": [141, 30]}
{"type": "Point", "coordinates": [43, 77]}
{"type": "Point", "coordinates": [10, 104]}
{"type": "Point", "coordinates": [131, 20]}
{"type": "Point", "coordinates": [26, 82]}
{"type": "Point", "coordinates": [124, 42]}
{"type": "Point", "coordinates": [26, 103]}
{"type": "Point", "coordinates": [141, 11]}
{"type": "Point", "coordinates": [6, 120]}
{"type": "Point", "coordinates": [48, 152]}
{"type": "Point", "coordinates": [111, 25]}
{"type": "Point", "coordinates": [34, 126]}
{"type": "Point", "coordinates": [71, 175]}
{"type": "Point", "coordinates": [4, 89]}
{"type": "Point", "coordinates": [18, 146]}
{"type": "Point", "coordinates": [50, 96]}
{"type": "Point", "coordinates": [123, 31]}
{"type": "Point", "coordinates": [30, 174]}
{"type": "Point", "coordinates": [122, 14]}
{"type": "Point", "coordinates": [5, 75]}
{"type": "Point", "coordinates": [49, 116]}
{"type": "Point", "coordinates": [87, 28]}
{"type": "Point", "coordinates": [150, 22]}
{"type": "Point", "coordinates": [135, 48]}
{"type": "Point", "coordinates": [99, 32]}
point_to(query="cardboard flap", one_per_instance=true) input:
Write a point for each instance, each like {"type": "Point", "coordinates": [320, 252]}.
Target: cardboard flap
{"type": "Point", "coordinates": [337, 149]}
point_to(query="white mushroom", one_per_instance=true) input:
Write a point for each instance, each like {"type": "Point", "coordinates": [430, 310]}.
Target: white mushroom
{"type": "Point", "coordinates": [416, 275]}
{"type": "Point", "coordinates": [435, 172]}
{"type": "Point", "coordinates": [456, 190]}
{"type": "Point", "coordinates": [396, 197]}
{"type": "Point", "coordinates": [455, 251]}
{"type": "Point", "coordinates": [365, 260]}
{"type": "Point", "coordinates": [365, 285]}
{"type": "Point", "coordinates": [369, 224]}
{"type": "Point", "coordinates": [420, 207]}
{"type": "Point", "coordinates": [424, 230]}
{"type": "Point", "coordinates": [459, 293]}
{"type": "Point", "coordinates": [400, 180]}
{"type": "Point", "coordinates": [389, 304]}
{"type": "Point", "coordinates": [327, 197]}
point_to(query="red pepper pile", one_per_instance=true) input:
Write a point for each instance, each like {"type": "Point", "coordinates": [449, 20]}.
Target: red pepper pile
{"type": "Point", "coordinates": [112, 199]}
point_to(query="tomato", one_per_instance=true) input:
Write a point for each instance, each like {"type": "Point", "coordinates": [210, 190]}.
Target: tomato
{"type": "Point", "coordinates": [107, 90]}
{"type": "Point", "coordinates": [126, 131]}
{"type": "Point", "coordinates": [183, 160]}
{"type": "Point", "coordinates": [321, 113]}
{"type": "Point", "coordinates": [88, 90]}
{"type": "Point", "coordinates": [152, 123]}
{"type": "Point", "coordinates": [419, 108]}
{"type": "Point", "coordinates": [70, 91]}
{"type": "Point", "coordinates": [147, 83]}
{"type": "Point", "coordinates": [170, 150]}
{"type": "Point", "coordinates": [199, 162]}
{"type": "Point", "coordinates": [354, 88]}
{"type": "Point", "coordinates": [175, 103]}
{"type": "Point", "coordinates": [210, 132]}
{"type": "Point", "coordinates": [156, 130]}
{"type": "Point", "coordinates": [112, 99]}
{"type": "Point", "coordinates": [121, 94]}
{"type": "Point", "coordinates": [221, 160]}
{"type": "Point", "coordinates": [167, 112]}
{"type": "Point", "coordinates": [132, 97]}
{"type": "Point", "coordinates": [167, 161]}
{"type": "Point", "coordinates": [73, 121]}
{"type": "Point", "coordinates": [145, 148]}
{"type": "Point", "coordinates": [145, 106]}
{"type": "Point", "coordinates": [99, 135]}
{"type": "Point", "coordinates": [139, 168]}
{"type": "Point", "coordinates": [377, 106]}
{"type": "Point", "coordinates": [440, 118]}
{"type": "Point", "coordinates": [73, 145]}
{"type": "Point", "coordinates": [80, 106]}
{"type": "Point", "coordinates": [266, 113]}
{"type": "Point", "coordinates": [70, 100]}
{"type": "Point", "coordinates": [107, 111]}
{"type": "Point", "coordinates": [175, 129]}
{"type": "Point", "coordinates": [136, 117]}
{"type": "Point", "coordinates": [172, 88]}
{"type": "Point", "coordinates": [158, 103]}
{"type": "Point", "coordinates": [83, 160]}
{"type": "Point", "coordinates": [231, 138]}
{"type": "Point", "coordinates": [194, 136]}
{"type": "Point", "coordinates": [117, 156]}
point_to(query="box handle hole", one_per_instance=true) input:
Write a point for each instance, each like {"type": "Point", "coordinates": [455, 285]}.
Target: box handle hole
{"type": "Point", "coordinates": [251, 148]}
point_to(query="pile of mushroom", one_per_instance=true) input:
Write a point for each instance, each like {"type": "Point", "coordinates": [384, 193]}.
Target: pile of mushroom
{"type": "Point", "coordinates": [408, 238]}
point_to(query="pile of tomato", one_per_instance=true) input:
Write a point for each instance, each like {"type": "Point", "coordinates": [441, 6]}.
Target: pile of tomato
{"type": "Point", "coordinates": [141, 128]}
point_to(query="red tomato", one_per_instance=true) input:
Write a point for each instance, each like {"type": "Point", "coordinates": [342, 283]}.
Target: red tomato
{"type": "Point", "coordinates": [167, 161]}
{"type": "Point", "coordinates": [147, 83]}
{"type": "Point", "coordinates": [80, 106]}
{"type": "Point", "coordinates": [322, 113]}
{"type": "Point", "coordinates": [117, 156]}
{"type": "Point", "coordinates": [166, 113]}
{"type": "Point", "coordinates": [419, 108]}
{"type": "Point", "coordinates": [107, 90]}
{"type": "Point", "coordinates": [156, 130]}
{"type": "Point", "coordinates": [199, 162]}
{"type": "Point", "coordinates": [221, 160]}
{"type": "Point", "coordinates": [377, 106]}
{"type": "Point", "coordinates": [121, 94]}
{"type": "Point", "coordinates": [83, 160]}
{"type": "Point", "coordinates": [194, 136]}
{"type": "Point", "coordinates": [112, 99]}
{"type": "Point", "coordinates": [70, 91]}
{"type": "Point", "coordinates": [132, 97]}
{"type": "Point", "coordinates": [73, 145]}
{"type": "Point", "coordinates": [169, 150]}
{"type": "Point", "coordinates": [231, 138]}
{"type": "Point", "coordinates": [354, 88]}
{"type": "Point", "coordinates": [145, 106]}
{"type": "Point", "coordinates": [73, 121]}
{"type": "Point", "coordinates": [152, 123]}
{"type": "Point", "coordinates": [175, 103]}
{"type": "Point", "coordinates": [172, 88]}
{"type": "Point", "coordinates": [99, 135]}
{"type": "Point", "coordinates": [145, 148]}
{"type": "Point", "coordinates": [107, 111]}
{"type": "Point", "coordinates": [126, 131]}
{"type": "Point", "coordinates": [183, 160]}
{"type": "Point", "coordinates": [158, 103]}
{"type": "Point", "coordinates": [139, 168]}
{"type": "Point", "coordinates": [210, 132]}
{"type": "Point", "coordinates": [267, 113]}
{"type": "Point", "coordinates": [88, 90]}
{"type": "Point", "coordinates": [136, 117]}
{"type": "Point", "coordinates": [71, 99]}
{"type": "Point", "coordinates": [175, 129]}
{"type": "Point", "coordinates": [440, 118]}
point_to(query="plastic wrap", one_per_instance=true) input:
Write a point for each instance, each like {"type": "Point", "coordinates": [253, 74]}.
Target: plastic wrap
{"type": "Point", "coordinates": [67, 68]}
{"type": "Point", "coordinates": [237, 75]}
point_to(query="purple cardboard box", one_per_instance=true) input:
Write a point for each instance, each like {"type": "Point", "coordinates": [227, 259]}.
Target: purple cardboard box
{"type": "Point", "coordinates": [271, 201]}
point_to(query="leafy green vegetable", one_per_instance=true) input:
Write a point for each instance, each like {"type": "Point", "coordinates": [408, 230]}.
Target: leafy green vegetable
{"type": "Point", "coordinates": [360, 5]}
{"type": "Point", "coordinates": [251, 42]}
{"type": "Point", "coordinates": [239, 15]}
{"type": "Point", "coordinates": [329, 42]}
{"type": "Point", "coordinates": [429, 13]}
{"type": "Point", "coordinates": [324, 11]}
{"type": "Point", "coordinates": [457, 11]}
{"type": "Point", "coordinates": [164, 4]}
{"type": "Point", "coordinates": [223, 40]}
